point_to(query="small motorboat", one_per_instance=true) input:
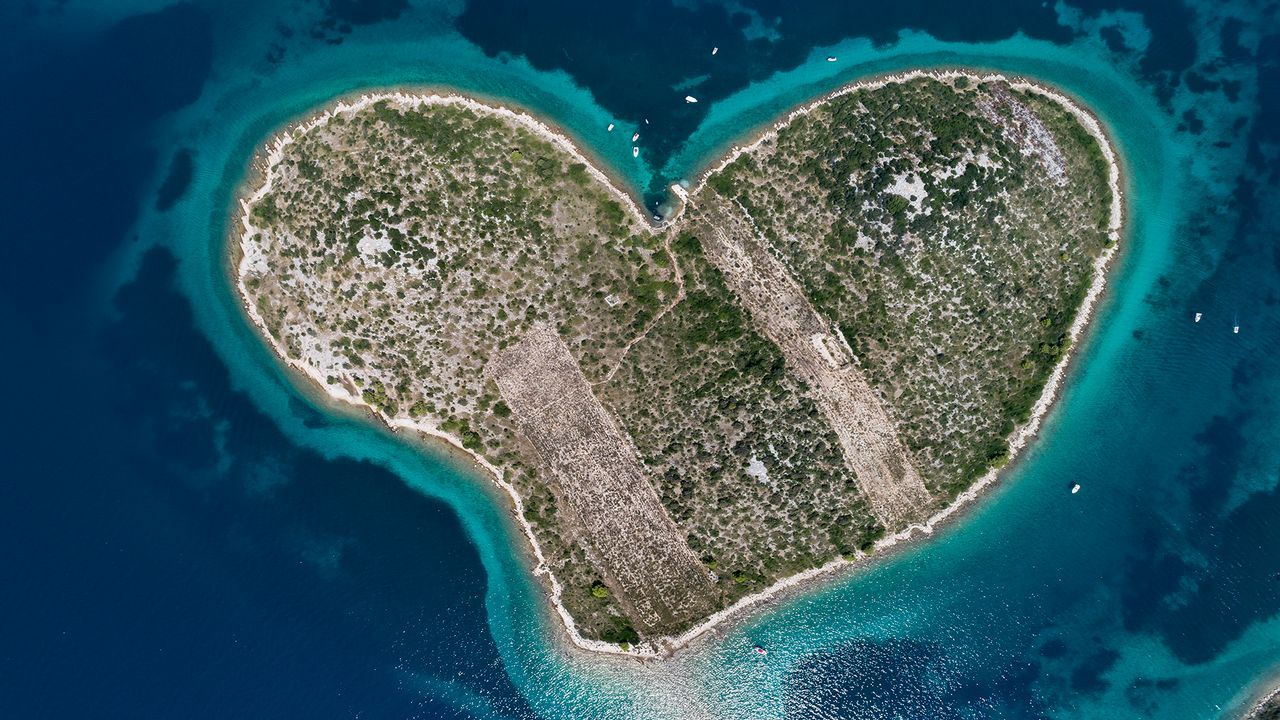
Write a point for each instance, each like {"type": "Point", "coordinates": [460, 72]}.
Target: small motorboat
{"type": "Point", "coordinates": [635, 152]}
{"type": "Point", "coordinates": [831, 58]}
{"type": "Point", "coordinates": [715, 50]}
{"type": "Point", "coordinates": [635, 137]}
{"type": "Point", "coordinates": [1235, 328]}
{"type": "Point", "coordinates": [610, 128]}
{"type": "Point", "coordinates": [646, 121]}
{"type": "Point", "coordinates": [1198, 317]}
{"type": "Point", "coordinates": [759, 650]}
{"type": "Point", "coordinates": [1075, 488]}
{"type": "Point", "coordinates": [690, 99]}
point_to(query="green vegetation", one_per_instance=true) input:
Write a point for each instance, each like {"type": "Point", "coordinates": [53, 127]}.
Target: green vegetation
{"type": "Point", "coordinates": [620, 632]}
{"type": "Point", "coordinates": [951, 257]}
{"type": "Point", "coordinates": [704, 396]}
{"type": "Point", "coordinates": [403, 246]}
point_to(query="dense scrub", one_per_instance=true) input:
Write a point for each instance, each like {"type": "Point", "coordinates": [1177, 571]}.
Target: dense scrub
{"type": "Point", "coordinates": [741, 457]}
{"type": "Point", "coordinates": [946, 231]}
{"type": "Point", "coordinates": [949, 233]}
{"type": "Point", "coordinates": [401, 247]}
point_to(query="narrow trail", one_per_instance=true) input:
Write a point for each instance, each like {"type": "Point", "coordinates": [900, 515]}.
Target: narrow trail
{"type": "Point", "coordinates": [675, 266]}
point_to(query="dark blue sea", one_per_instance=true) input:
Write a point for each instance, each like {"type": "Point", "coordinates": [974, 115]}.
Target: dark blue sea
{"type": "Point", "coordinates": [188, 531]}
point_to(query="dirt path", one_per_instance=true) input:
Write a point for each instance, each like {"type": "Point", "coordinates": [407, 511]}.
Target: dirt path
{"type": "Point", "coordinates": [675, 267]}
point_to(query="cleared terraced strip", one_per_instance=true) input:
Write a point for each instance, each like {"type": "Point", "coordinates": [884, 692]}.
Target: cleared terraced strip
{"type": "Point", "coordinates": [822, 359]}
{"type": "Point", "coordinates": [625, 528]}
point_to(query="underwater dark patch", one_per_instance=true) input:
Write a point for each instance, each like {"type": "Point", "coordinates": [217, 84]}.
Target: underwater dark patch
{"type": "Point", "coordinates": [138, 70]}
{"type": "Point", "coordinates": [1114, 39]}
{"type": "Point", "coordinates": [870, 679]}
{"type": "Point", "coordinates": [365, 12]}
{"type": "Point", "coordinates": [1087, 676]}
{"type": "Point", "coordinates": [1053, 649]}
{"type": "Point", "coordinates": [181, 168]}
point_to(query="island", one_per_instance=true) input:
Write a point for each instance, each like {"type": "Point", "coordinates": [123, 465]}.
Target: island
{"type": "Point", "coordinates": [845, 330]}
{"type": "Point", "coordinates": [1267, 707]}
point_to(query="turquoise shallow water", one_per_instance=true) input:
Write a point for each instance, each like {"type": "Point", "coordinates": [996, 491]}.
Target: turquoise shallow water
{"type": "Point", "coordinates": [1152, 592]}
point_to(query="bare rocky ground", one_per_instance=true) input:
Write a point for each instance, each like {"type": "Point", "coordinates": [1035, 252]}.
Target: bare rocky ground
{"type": "Point", "coordinates": [1268, 708]}
{"type": "Point", "coordinates": [678, 438]}
{"type": "Point", "coordinates": [614, 509]}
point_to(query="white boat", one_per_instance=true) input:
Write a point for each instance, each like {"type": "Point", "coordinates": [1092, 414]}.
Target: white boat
{"type": "Point", "coordinates": [831, 58]}
{"type": "Point", "coordinates": [635, 152]}
{"type": "Point", "coordinates": [635, 137]}
{"type": "Point", "coordinates": [690, 99]}
{"type": "Point", "coordinates": [646, 121]}
{"type": "Point", "coordinates": [1075, 488]}
{"type": "Point", "coordinates": [759, 650]}
{"type": "Point", "coordinates": [1236, 327]}
{"type": "Point", "coordinates": [1197, 317]}
{"type": "Point", "coordinates": [610, 128]}
{"type": "Point", "coordinates": [715, 50]}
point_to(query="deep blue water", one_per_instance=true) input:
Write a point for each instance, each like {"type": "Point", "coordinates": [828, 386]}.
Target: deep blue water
{"type": "Point", "coordinates": [186, 531]}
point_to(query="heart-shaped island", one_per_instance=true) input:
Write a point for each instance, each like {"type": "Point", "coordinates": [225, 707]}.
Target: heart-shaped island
{"type": "Point", "coordinates": [845, 326]}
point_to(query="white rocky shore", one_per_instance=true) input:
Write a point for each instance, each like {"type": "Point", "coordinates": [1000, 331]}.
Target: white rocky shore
{"type": "Point", "coordinates": [250, 255]}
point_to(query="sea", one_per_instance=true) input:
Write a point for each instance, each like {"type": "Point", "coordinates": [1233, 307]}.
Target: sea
{"type": "Point", "coordinates": [187, 530]}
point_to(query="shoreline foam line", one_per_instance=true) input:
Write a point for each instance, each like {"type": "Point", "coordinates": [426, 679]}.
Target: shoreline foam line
{"type": "Point", "coordinates": [1260, 700]}
{"type": "Point", "coordinates": [665, 646]}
